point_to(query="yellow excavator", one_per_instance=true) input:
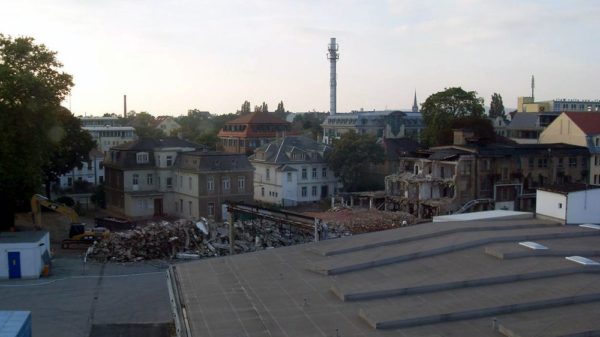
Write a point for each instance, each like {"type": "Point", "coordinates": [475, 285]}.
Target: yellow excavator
{"type": "Point", "coordinates": [77, 233]}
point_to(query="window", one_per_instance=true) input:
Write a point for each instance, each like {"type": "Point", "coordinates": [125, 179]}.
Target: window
{"type": "Point", "coordinates": [169, 182]}
{"type": "Point", "coordinates": [241, 184]}
{"type": "Point", "coordinates": [190, 207]}
{"type": "Point", "coordinates": [560, 205]}
{"type": "Point", "coordinates": [149, 179]}
{"type": "Point", "coordinates": [304, 175]}
{"type": "Point", "coordinates": [136, 178]}
{"type": "Point", "coordinates": [211, 209]}
{"type": "Point", "coordinates": [169, 160]}
{"type": "Point", "coordinates": [262, 191]}
{"type": "Point", "coordinates": [268, 174]}
{"type": "Point", "coordinates": [69, 181]}
{"type": "Point", "coordinates": [542, 162]}
{"type": "Point", "coordinates": [210, 183]}
{"type": "Point", "coordinates": [158, 181]}
{"type": "Point", "coordinates": [466, 169]}
{"type": "Point", "coordinates": [324, 172]}
{"type": "Point", "coordinates": [531, 162]}
{"type": "Point", "coordinates": [314, 173]}
{"type": "Point", "coordinates": [560, 162]}
{"type": "Point", "coordinates": [181, 205]}
{"type": "Point", "coordinates": [314, 191]}
{"type": "Point", "coordinates": [142, 157]}
{"type": "Point", "coordinates": [572, 161]}
{"type": "Point", "coordinates": [304, 191]}
{"type": "Point", "coordinates": [226, 183]}
{"type": "Point", "coordinates": [289, 176]}
{"type": "Point", "coordinates": [190, 183]}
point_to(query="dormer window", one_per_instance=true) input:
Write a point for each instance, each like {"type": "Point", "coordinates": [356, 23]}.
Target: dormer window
{"type": "Point", "coordinates": [142, 157]}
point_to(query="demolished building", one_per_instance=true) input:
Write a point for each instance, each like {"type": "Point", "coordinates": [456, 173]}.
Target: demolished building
{"type": "Point", "coordinates": [473, 175]}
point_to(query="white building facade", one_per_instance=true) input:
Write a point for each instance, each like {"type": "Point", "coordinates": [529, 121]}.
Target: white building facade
{"type": "Point", "coordinates": [569, 205]}
{"type": "Point", "coordinates": [292, 170]}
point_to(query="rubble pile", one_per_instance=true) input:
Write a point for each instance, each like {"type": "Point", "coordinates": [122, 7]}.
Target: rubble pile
{"type": "Point", "coordinates": [361, 220]}
{"type": "Point", "coordinates": [186, 239]}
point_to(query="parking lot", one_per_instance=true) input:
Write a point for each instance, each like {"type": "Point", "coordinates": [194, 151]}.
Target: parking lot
{"type": "Point", "coordinates": [93, 299]}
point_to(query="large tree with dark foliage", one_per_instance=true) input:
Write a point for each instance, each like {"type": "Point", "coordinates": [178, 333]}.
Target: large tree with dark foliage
{"type": "Point", "coordinates": [32, 87]}
{"type": "Point", "coordinates": [68, 147]}
{"type": "Point", "coordinates": [496, 106]}
{"type": "Point", "coordinates": [442, 108]}
{"type": "Point", "coordinates": [351, 158]}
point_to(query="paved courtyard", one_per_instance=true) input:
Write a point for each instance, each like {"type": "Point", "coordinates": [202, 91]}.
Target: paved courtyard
{"type": "Point", "coordinates": [104, 296]}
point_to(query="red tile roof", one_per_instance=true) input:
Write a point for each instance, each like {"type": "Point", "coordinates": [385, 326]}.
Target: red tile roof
{"type": "Point", "coordinates": [588, 122]}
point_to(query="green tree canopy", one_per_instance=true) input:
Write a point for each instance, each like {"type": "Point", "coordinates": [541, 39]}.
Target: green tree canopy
{"type": "Point", "coordinates": [441, 108]}
{"type": "Point", "coordinates": [245, 108]}
{"type": "Point", "coordinates": [32, 86]}
{"type": "Point", "coordinates": [496, 106]}
{"type": "Point", "coordinates": [309, 123]}
{"type": "Point", "coordinates": [143, 122]}
{"type": "Point", "coordinates": [352, 157]}
{"type": "Point", "coordinates": [69, 145]}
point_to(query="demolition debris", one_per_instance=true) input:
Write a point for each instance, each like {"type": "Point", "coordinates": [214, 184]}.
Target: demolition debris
{"type": "Point", "coordinates": [187, 240]}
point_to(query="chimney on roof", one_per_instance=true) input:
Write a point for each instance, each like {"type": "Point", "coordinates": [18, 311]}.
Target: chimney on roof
{"type": "Point", "coordinates": [461, 136]}
{"type": "Point", "coordinates": [124, 106]}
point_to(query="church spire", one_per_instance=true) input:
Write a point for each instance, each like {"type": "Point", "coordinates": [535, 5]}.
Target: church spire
{"type": "Point", "coordinates": [415, 107]}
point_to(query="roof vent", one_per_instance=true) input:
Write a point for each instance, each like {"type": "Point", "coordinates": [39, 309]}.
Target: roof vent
{"type": "Point", "coordinates": [589, 225]}
{"type": "Point", "coordinates": [532, 245]}
{"type": "Point", "coordinates": [583, 260]}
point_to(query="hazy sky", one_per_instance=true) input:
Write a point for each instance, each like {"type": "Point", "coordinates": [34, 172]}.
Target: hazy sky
{"type": "Point", "coordinates": [170, 56]}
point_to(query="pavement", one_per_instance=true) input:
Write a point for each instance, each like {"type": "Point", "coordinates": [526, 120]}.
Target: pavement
{"type": "Point", "coordinates": [93, 299]}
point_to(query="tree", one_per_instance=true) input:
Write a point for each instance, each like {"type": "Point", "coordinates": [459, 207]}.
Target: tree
{"type": "Point", "coordinates": [482, 128]}
{"type": "Point", "coordinates": [496, 106]}
{"type": "Point", "coordinates": [280, 111]}
{"type": "Point", "coordinates": [351, 158]}
{"type": "Point", "coordinates": [309, 123]}
{"type": "Point", "coordinates": [261, 108]}
{"type": "Point", "coordinates": [69, 145]}
{"type": "Point", "coordinates": [32, 87]}
{"type": "Point", "coordinates": [143, 123]}
{"type": "Point", "coordinates": [441, 108]}
{"type": "Point", "coordinates": [245, 108]}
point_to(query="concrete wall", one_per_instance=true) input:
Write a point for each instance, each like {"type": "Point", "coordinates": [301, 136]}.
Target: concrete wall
{"type": "Point", "coordinates": [563, 130]}
{"type": "Point", "coordinates": [583, 207]}
{"type": "Point", "coordinates": [31, 257]}
{"type": "Point", "coordinates": [551, 204]}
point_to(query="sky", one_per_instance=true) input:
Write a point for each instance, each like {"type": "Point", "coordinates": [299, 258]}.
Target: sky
{"type": "Point", "coordinates": [170, 56]}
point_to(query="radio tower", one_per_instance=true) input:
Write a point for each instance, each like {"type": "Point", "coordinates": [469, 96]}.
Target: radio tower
{"type": "Point", "coordinates": [333, 56]}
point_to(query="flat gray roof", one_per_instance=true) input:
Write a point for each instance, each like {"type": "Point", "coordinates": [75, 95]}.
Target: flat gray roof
{"type": "Point", "coordinates": [22, 237]}
{"type": "Point", "coordinates": [435, 279]}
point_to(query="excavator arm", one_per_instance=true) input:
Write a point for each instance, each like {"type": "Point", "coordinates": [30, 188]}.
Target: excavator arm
{"type": "Point", "coordinates": [37, 201]}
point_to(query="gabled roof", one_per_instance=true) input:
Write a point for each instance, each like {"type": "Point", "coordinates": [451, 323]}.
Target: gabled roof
{"type": "Point", "coordinates": [280, 151]}
{"type": "Point", "coordinates": [258, 117]}
{"type": "Point", "coordinates": [217, 161]}
{"type": "Point", "coordinates": [149, 144]}
{"type": "Point", "coordinates": [524, 121]}
{"type": "Point", "coordinates": [588, 122]}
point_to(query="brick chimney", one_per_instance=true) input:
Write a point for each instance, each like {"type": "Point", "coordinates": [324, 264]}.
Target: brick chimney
{"type": "Point", "coordinates": [461, 136]}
